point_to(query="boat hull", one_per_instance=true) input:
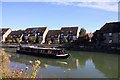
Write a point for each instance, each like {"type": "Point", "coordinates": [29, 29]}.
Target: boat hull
{"type": "Point", "coordinates": [43, 54]}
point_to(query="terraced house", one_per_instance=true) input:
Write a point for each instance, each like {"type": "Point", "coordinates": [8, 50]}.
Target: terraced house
{"type": "Point", "coordinates": [4, 32]}
{"type": "Point", "coordinates": [53, 36]}
{"type": "Point", "coordinates": [69, 34]}
{"type": "Point", "coordinates": [15, 36]}
{"type": "Point", "coordinates": [35, 35]}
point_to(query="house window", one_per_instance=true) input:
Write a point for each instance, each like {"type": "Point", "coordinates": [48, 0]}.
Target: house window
{"type": "Point", "coordinates": [0, 38]}
{"type": "Point", "coordinates": [110, 34]}
{"type": "Point", "coordinates": [110, 41]}
{"type": "Point", "coordinates": [71, 31]}
{"type": "Point", "coordinates": [38, 33]}
{"type": "Point", "coordinates": [62, 34]}
{"type": "Point", "coordinates": [40, 37]}
{"type": "Point", "coordinates": [119, 40]}
{"type": "Point", "coordinates": [119, 33]}
{"type": "Point", "coordinates": [103, 34]}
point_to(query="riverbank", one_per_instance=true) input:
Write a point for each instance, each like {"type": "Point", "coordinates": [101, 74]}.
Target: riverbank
{"type": "Point", "coordinates": [90, 47]}
{"type": "Point", "coordinates": [73, 47]}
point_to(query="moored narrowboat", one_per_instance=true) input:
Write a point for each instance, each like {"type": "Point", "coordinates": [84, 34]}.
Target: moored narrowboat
{"type": "Point", "coordinates": [42, 52]}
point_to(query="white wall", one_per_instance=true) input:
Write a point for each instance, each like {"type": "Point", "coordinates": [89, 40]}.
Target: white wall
{"type": "Point", "coordinates": [78, 32]}
{"type": "Point", "coordinates": [6, 34]}
{"type": "Point", "coordinates": [44, 35]}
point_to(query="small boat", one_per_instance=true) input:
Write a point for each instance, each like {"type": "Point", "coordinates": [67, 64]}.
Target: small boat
{"type": "Point", "coordinates": [43, 52]}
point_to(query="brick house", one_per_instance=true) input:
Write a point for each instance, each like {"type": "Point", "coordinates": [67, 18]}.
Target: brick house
{"type": "Point", "coordinates": [15, 36]}
{"type": "Point", "coordinates": [4, 32]}
{"type": "Point", "coordinates": [109, 33]}
{"type": "Point", "coordinates": [38, 32]}
{"type": "Point", "coordinates": [53, 36]}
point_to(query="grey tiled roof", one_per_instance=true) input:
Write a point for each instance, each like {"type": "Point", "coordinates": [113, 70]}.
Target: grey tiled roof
{"type": "Point", "coordinates": [66, 30]}
{"type": "Point", "coordinates": [113, 27]}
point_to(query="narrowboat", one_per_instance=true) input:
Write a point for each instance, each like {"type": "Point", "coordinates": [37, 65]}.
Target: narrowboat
{"type": "Point", "coordinates": [42, 52]}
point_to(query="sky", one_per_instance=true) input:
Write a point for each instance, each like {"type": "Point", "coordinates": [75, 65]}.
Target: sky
{"type": "Point", "coordinates": [88, 14]}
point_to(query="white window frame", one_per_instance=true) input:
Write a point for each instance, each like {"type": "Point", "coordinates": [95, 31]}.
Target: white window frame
{"type": "Point", "coordinates": [110, 34]}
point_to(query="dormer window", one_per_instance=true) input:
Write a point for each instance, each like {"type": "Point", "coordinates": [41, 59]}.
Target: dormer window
{"type": "Point", "coordinates": [55, 35]}
{"type": "Point", "coordinates": [62, 34]}
{"type": "Point", "coordinates": [110, 34]}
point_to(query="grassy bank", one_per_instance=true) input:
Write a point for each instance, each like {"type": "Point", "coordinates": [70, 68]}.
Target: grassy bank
{"type": "Point", "coordinates": [7, 72]}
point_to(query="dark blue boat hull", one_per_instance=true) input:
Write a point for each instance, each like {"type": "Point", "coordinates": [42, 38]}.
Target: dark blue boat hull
{"type": "Point", "coordinates": [42, 54]}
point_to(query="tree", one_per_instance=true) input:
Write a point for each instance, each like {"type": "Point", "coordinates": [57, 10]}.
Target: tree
{"type": "Point", "coordinates": [83, 38]}
{"type": "Point", "coordinates": [82, 31]}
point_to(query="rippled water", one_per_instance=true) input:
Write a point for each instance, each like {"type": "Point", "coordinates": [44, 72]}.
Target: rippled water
{"type": "Point", "coordinates": [78, 65]}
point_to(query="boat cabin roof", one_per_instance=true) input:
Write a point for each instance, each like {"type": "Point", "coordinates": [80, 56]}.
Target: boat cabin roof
{"type": "Point", "coordinates": [35, 47]}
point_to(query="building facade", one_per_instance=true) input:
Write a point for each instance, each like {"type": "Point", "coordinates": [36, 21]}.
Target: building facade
{"type": "Point", "coordinates": [109, 33]}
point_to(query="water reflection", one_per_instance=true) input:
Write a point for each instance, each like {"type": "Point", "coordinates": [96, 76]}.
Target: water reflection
{"type": "Point", "coordinates": [79, 64]}
{"type": "Point", "coordinates": [107, 64]}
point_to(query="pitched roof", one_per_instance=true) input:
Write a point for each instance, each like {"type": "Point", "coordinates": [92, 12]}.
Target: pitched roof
{"type": "Point", "coordinates": [66, 30]}
{"type": "Point", "coordinates": [3, 30]}
{"type": "Point", "coordinates": [16, 33]}
{"type": "Point", "coordinates": [54, 33]}
{"type": "Point", "coordinates": [36, 29]}
{"type": "Point", "coordinates": [110, 27]}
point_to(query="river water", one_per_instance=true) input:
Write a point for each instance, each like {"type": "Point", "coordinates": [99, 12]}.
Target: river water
{"type": "Point", "coordinates": [78, 65]}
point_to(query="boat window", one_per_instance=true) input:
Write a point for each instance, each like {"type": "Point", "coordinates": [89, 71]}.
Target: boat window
{"type": "Point", "coordinates": [23, 49]}
{"type": "Point", "coordinates": [35, 50]}
{"type": "Point", "coordinates": [42, 51]}
{"type": "Point", "coordinates": [56, 52]}
{"type": "Point", "coordinates": [49, 51]}
{"type": "Point", "coordinates": [61, 52]}
{"type": "Point", "coordinates": [45, 51]}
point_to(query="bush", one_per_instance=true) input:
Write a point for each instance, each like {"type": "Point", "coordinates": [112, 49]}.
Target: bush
{"type": "Point", "coordinates": [65, 40]}
{"type": "Point", "coordinates": [32, 39]}
{"type": "Point", "coordinates": [39, 40]}
{"type": "Point", "coordinates": [9, 41]}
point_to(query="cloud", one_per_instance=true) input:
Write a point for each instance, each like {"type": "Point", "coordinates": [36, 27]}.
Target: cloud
{"type": "Point", "coordinates": [108, 5]}
{"type": "Point", "coordinates": [60, 0]}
